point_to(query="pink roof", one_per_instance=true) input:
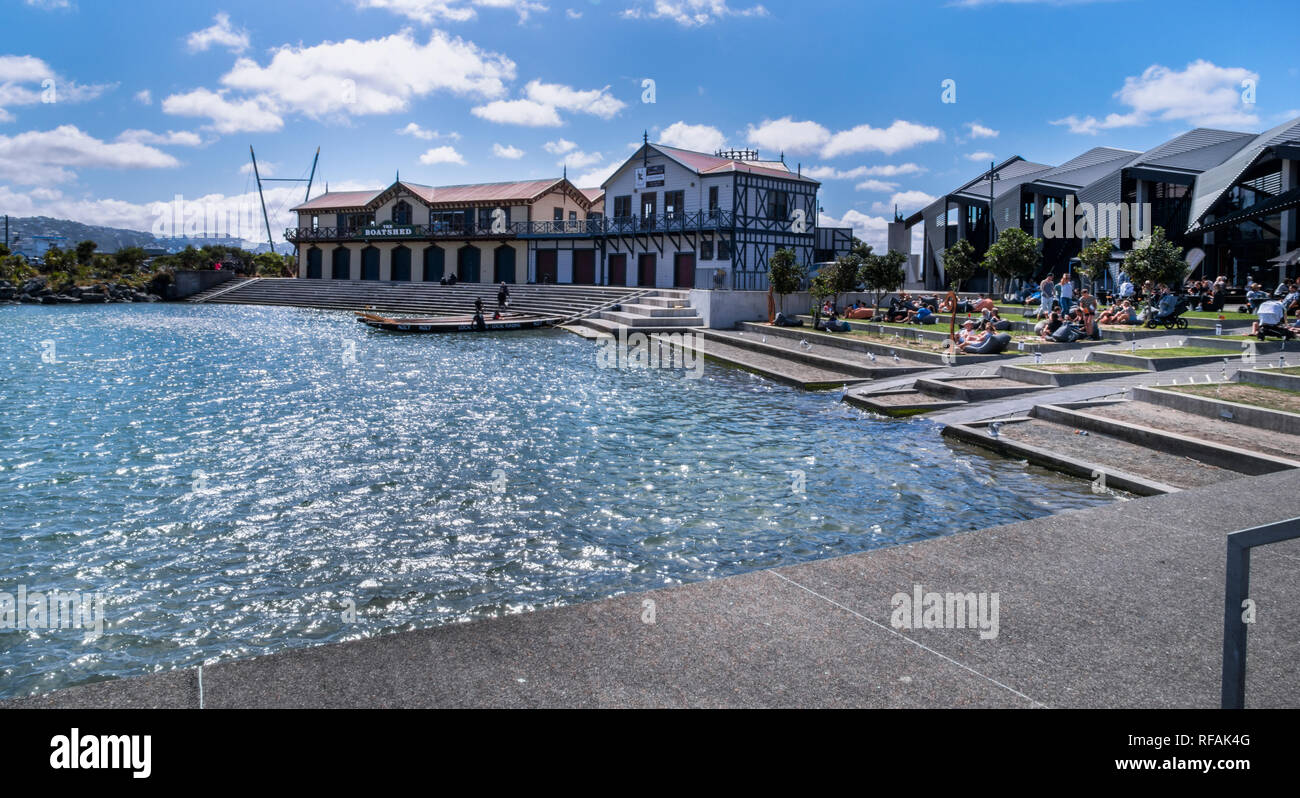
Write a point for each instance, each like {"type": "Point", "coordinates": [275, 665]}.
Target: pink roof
{"type": "Point", "coordinates": [704, 163]}
{"type": "Point", "coordinates": [517, 191]}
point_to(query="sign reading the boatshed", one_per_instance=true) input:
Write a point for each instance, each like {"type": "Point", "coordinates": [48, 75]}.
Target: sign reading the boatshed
{"type": "Point", "coordinates": [389, 230]}
{"type": "Point", "coordinates": [650, 176]}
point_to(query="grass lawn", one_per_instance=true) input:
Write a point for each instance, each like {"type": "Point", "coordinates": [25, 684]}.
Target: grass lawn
{"type": "Point", "coordinates": [1227, 316]}
{"type": "Point", "coordinates": [1287, 370]}
{"type": "Point", "coordinates": [1087, 367]}
{"type": "Point", "coordinates": [1176, 351]}
{"type": "Point", "coordinates": [1246, 394]}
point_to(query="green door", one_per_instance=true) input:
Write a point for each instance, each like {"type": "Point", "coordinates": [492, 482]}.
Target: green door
{"type": "Point", "coordinates": [342, 269]}
{"type": "Point", "coordinates": [313, 263]}
{"type": "Point", "coordinates": [433, 264]}
{"type": "Point", "coordinates": [467, 263]}
{"type": "Point", "coordinates": [401, 271]}
{"type": "Point", "coordinates": [503, 268]}
{"type": "Point", "coordinates": [370, 263]}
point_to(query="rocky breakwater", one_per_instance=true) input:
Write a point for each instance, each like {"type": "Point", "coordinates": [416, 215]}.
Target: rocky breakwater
{"type": "Point", "coordinates": [36, 291]}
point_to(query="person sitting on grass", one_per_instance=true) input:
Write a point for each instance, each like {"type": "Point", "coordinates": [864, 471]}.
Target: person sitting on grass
{"type": "Point", "coordinates": [1271, 318]}
{"type": "Point", "coordinates": [986, 343]}
{"type": "Point", "coordinates": [983, 303]}
{"type": "Point", "coordinates": [1122, 313]}
{"type": "Point", "coordinates": [1049, 326]}
{"type": "Point", "coordinates": [922, 315]}
{"type": "Point", "coordinates": [994, 320]}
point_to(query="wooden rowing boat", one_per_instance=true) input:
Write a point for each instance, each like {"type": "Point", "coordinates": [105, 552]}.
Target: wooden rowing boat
{"type": "Point", "coordinates": [452, 324]}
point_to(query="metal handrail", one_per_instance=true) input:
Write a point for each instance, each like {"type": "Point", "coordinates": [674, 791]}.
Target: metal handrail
{"type": "Point", "coordinates": [604, 226]}
{"type": "Point", "coordinates": [606, 306]}
{"type": "Point", "coordinates": [1236, 589]}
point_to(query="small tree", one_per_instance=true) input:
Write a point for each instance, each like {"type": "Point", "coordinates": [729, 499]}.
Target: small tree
{"type": "Point", "coordinates": [842, 275]}
{"type": "Point", "coordinates": [785, 274]}
{"type": "Point", "coordinates": [1157, 259]}
{"type": "Point", "coordinates": [959, 263]}
{"type": "Point", "coordinates": [882, 274]}
{"type": "Point", "coordinates": [1094, 260]}
{"type": "Point", "coordinates": [85, 252]}
{"type": "Point", "coordinates": [1014, 254]}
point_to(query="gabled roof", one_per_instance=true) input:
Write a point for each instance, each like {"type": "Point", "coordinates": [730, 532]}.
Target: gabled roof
{"type": "Point", "coordinates": [1213, 183]}
{"type": "Point", "coordinates": [1195, 151]}
{"type": "Point", "coordinates": [511, 191]}
{"type": "Point", "coordinates": [1011, 173]}
{"type": "Point", "coordinates": [1082, 169]}
{"type": "Point", "coordinates": [704, 164]}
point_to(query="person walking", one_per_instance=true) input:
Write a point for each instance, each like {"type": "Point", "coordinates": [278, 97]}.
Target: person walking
{"type": "Point", "coordinates": [1067, 292]}
{"type": "Point", "coordinates": [1047, 294]}
{"type": "Point", "coordinates": [503, 297]}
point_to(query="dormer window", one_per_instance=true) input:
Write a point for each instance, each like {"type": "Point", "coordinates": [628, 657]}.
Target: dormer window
{"type": "Point", "coordinates": [402, 212]}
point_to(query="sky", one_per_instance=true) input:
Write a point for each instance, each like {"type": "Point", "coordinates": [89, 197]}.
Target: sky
{"type": "Point", "coordinates": [110, 107]}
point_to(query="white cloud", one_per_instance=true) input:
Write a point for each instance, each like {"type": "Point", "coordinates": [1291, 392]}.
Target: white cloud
{"type": "Point", "coordinates": [518, 112]}
{"type": "Point", "coordinates": [144, 97]}
{"type": "Point", "coordinates": [980, 156]}
{"type": "Point", "coordinates": [572, 14]}
{"type": "Point", "coordinates": [900, 135]}
{"type": "Point", "coordinates": [221, 34]}
{"type": "Point", "coordinates": [886, 170]}
{"type": "Point", "coordinates": [414, 129]}
{"type": "Point", "coordinates": [172, 138]}
{"type": "Point", "coordinates": [907, 201]}
{"type": "Point", "coordinates": [580, 160]}
{"type": "Point", "coordinates": [597, 102]}
{"type": "Point", "coordinates": [700, 138]}
{"type": "Point", "coordinates": [692, 13]}
{"type": "Point", "coordinates": [443, 154]}
{"type": "Point", "coordinates": [874, 230]}
{"type": "Point", "coordinates": [1201, 94]}
{"type": "Point", "coordinates": [785, 134]}
{"type": "Point", "coordinates": [559, 147]}
{"type": "Point", "coordinates": [48, 4]}
{"type": "Point", "coordinates": [376, 76]}
{"type": "Point", "coordinates": [431, 11]}
{"type": "Point", "coordinates": [228, 116]}
{"type": "Point", "coordinates": [264, 168]}
{"type": "Point", "coordinates": [27, 80]}
{"type": "Point", "coordinates": [978, 131]}
{"type": "Point", "coordinates": [788, 135]}
{"type": "Point", "coordinates": [875, 185]}
{"type": "Point", "coordinates": [43, 157]}
{"type": "Point", "coordinates": [509, 151]}
{"type": "Point", "coordinates": [598, 175]}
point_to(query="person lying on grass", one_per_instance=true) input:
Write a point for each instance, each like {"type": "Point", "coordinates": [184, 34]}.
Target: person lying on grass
{"type": "Point", "coordinates": [1123, 313]}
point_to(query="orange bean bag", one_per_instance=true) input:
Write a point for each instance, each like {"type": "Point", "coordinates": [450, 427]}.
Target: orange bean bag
{"type": "Point", "coordinates": [860, 313]}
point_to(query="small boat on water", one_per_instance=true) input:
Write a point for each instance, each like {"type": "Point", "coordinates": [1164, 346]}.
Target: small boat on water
{"type": "Point", "coordinates": [453, 324]}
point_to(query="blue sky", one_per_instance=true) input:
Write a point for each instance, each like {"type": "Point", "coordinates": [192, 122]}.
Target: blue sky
{"type": "Point", "coordinates": [154, 99]}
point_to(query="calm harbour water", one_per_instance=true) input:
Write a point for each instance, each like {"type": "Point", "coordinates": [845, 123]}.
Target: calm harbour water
{"type": "Point", "coordinates": [230, 478]}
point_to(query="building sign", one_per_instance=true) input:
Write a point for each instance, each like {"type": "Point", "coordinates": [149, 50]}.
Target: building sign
{"type": "Point", "coordinates": [375, 232]}
{"type": "Point", "coordinates": [649, 176]}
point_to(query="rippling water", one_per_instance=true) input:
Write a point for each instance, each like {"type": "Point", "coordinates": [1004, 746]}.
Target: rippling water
{"type": "Point", "coordinates": [230, 478]}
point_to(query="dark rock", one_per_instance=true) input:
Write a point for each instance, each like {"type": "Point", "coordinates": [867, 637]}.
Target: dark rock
{"type": "Point", "coordinates": [49, 299]}
{"type": "Point", "coordinates": [93, 297]}
{"type": "Point", "coordinates": [33, 285]}
{"type": "Point", "coordinates": [28, 299]}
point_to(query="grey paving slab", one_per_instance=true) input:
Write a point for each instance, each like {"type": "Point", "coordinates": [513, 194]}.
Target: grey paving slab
{"type": "Point", "coordinates": [1118, 605]}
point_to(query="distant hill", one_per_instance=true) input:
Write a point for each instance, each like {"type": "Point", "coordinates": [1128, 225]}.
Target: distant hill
{"type": "Point", "coordinates": [23, 232]}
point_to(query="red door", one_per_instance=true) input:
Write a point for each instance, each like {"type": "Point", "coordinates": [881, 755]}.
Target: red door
{"type": "Point", "coordinates": [645, 269]}
{"type": "Point", "coordinates": [618, 269]}
{"type": "Point", "coordinates": [546, 268]}
{"type": "Point", "coordinates": [684, 270]}
{"type": "Point", "coordinates": [584, 266]}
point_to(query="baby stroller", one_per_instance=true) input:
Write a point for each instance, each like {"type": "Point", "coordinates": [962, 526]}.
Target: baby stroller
{"type": "Point", "coordinates": [1173, 319]}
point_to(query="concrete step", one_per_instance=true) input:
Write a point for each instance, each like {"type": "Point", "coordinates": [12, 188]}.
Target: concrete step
{"type": "Point", "coordinates": [821, 357]}
{"type": "Point", "coordinates": [900, 403]}
{"type": "Point", "coordinates": [974, 389]}
{"type": "Point", "coordinates": [611, 327]}
{"type": "Point", "coordinates": [1270, 378]}
{"type": "Point", "coordinates": [788, 372]}
{"type": "Point", "coordinates": [1196, 447]}
{"type": "Point", "coordinates": [637, 320]}
{"type": "Point", "coordinates": [1047, 374]}
{"type": "Point", "coordinates": [660, 312]}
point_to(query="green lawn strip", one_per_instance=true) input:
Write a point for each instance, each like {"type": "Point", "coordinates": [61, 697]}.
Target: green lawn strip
{"type": "Point", "coordinates": [1087, 367]}
{"type": "Point", "coordinates": [1174, 351]}
{"type": "Point", "coordinates": [1209, 314]}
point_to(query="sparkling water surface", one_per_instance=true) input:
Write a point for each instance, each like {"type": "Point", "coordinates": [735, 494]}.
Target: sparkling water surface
{"type": "Point", "coordinates": [233, 479]}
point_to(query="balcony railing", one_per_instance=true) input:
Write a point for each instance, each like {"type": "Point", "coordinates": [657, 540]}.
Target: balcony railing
{"type": "Point", "coordinates": [586, 228]}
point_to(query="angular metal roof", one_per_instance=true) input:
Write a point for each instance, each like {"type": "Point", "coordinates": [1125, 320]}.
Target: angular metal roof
{"type": "Point", "coordinates": [1083, 169]}
{"type": "Point", "coordinates": [1213, 183]}
{"type": "Point", "coordinates": [1012, 172]}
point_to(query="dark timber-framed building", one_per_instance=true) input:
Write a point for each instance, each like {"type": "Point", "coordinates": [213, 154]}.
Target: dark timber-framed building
{"type": "Point", "coordinates": [1228, 198]}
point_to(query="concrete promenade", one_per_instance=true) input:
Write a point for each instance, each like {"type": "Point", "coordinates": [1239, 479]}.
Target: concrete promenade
{"type": "Point", "coordinates": [1114, 606]}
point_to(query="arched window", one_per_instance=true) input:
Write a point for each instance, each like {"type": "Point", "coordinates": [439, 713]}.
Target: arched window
{"type": "Point", "coordinates": [402, 212]}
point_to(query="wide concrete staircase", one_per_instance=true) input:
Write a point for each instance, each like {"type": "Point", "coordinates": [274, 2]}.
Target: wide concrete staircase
{"type": "Point", "coordinates": [431, 299]}
{"type": "Point", "coordinates": [662, 310]}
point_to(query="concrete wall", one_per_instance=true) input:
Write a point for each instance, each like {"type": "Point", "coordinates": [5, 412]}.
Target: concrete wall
{"type": "Point", "coordinates": [188, 283]}
{"type": "Point", "coordinates": [721, 310]}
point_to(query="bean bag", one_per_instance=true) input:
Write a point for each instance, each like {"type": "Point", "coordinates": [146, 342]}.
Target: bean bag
{"type": "Point", "coordinates": [859, 313]}
{"type": "Point", "coordinates": [993, 345]}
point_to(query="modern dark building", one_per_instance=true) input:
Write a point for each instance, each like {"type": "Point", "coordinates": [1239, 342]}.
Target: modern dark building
{"type": "Point", "coordinates": [1228, 198]}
